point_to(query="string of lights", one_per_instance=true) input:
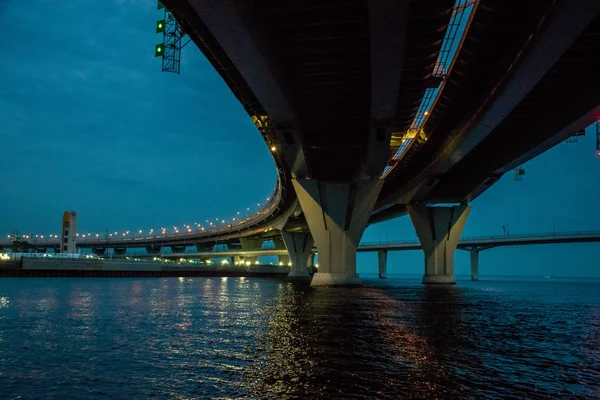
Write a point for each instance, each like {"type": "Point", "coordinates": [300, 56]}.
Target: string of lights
{"type": "Point", "coordinates": [240, 220]}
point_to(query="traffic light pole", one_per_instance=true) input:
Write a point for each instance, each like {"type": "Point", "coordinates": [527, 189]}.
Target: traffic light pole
{"type": "Point", "coordinates": [170, 49]}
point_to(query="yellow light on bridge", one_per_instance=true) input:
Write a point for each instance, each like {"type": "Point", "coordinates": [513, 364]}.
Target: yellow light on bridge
{"type": "Point", "coordinates": [273, 148]}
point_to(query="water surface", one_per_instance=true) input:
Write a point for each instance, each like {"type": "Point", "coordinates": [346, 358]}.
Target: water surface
{"type": "Point", "coordinates": [199, 338]}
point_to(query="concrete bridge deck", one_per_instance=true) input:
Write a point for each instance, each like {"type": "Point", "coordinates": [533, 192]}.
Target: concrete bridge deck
{"type": "Point", "coordinates": [335, 88]}
{"type": "Point", "coordinates": [478, 243]}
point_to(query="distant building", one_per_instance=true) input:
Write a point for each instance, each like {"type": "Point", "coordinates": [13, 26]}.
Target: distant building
{"type": "Point", "coordinates": [69, 232]}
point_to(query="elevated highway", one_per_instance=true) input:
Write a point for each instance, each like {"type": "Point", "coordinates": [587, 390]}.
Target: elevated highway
{"type": "Point", "coordinates": [473, 245]}
{"type": "Point", "coordinates": [369, 118]}
{"type": "Point", "coordinates": [337, 89]}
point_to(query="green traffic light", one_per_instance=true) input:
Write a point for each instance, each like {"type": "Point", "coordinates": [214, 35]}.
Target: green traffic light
{"type": "Point", "coordinates": [160, 26]}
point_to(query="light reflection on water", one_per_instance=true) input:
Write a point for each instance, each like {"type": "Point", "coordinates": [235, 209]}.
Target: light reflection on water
{"type": "Point", "coordinates": [268, 339]}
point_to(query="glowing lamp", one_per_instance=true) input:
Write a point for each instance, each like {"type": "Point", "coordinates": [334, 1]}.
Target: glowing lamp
{"type": "Point", "coordinates": [160, 26]}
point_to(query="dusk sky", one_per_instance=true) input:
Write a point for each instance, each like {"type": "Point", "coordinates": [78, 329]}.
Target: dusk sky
{"type": "Point", "coordinates": [89, 123]}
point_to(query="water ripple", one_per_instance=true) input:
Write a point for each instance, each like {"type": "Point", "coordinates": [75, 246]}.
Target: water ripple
{"type": "Point", "coordinates": [223, 338]}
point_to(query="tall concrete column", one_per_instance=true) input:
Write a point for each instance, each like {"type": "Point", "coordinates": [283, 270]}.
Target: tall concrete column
{"type": "Point", "coordinates": [299, 246]}
{"type": "Point", "coordinates": [204, 247]}
{"type": "Point", "coordinates": [311, 260]}
{"type": "Point", "coordinates": [382, 258]}
{"type": "Point", "coordinates": [337, 214]}
{"type": "Point", "coordinates": [474, 264]}
{"type": "Point", "coordinates": [251, 244]}
{"type": "Point", "coordinates": [178, 249]}
{"type": "Point", "coordinates": [283, 259]}
{"type": "Point", "coordinates": [153, 250]}
{"type": "Point", "coordinates": [99, 251]}
{"type": "Point", "coordinates": [439, 229]}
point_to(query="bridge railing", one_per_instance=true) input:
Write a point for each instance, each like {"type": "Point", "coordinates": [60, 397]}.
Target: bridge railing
{"type": "Point", "coordinates": [266, 211]}
{"type": "Point", "coordinates": [533, 235]}
{"type": "Point", "coordinates": [249, 221]}
{"type": "Point", "coordinates": [573, 234]}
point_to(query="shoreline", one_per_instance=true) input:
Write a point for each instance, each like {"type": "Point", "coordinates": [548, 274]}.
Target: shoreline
{"type": "Point", "coordinates": [78, 273]}
{"type": "Point", "coordinates": [118, 269]}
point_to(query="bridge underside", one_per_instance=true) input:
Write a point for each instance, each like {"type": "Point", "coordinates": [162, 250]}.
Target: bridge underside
{"type": "Point", "coordinates": [329, 83]}
{"type": "Point", "coordinates": [521, 84]}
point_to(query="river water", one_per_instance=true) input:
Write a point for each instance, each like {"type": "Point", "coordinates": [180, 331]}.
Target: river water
{"type": "Point", "coordinates": [220, 338]}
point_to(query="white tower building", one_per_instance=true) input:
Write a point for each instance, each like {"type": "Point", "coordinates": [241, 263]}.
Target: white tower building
{"type": "Point", "coordinates": [69, 232]}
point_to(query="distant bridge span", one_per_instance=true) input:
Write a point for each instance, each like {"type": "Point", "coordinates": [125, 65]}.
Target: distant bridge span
{"type": "Point", "coordinates": [473, 245]}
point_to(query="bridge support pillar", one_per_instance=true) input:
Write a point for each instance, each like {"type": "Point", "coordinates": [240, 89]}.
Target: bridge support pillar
{"type": "Point", "coordinates": [153, 250]}
{"type": "Point", "coordinates": [299, 245]}
{"type": "Point", "coordinates": [311, 260]}
{"type": "Point", "coordinates": [251, 244]}
{"type": "Point", "coordinates": [99, 251]}
{"type": "Point", "coordinates": [120, 251]}
{"type": "Point", "coordinates": [439, 229]}
{"type": "Point", "coordinates": [337, 214]}
{"type": "Point", "coordinates": [177, 249]}
{"type": "Point", "coordinates": [474, 264]}
{"type": "Point", "coordinates": [382, 258]}
{"type": "Point", "coordinates": [283, 260]}
{"type": "Point", "coordinates": [204, 247]}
